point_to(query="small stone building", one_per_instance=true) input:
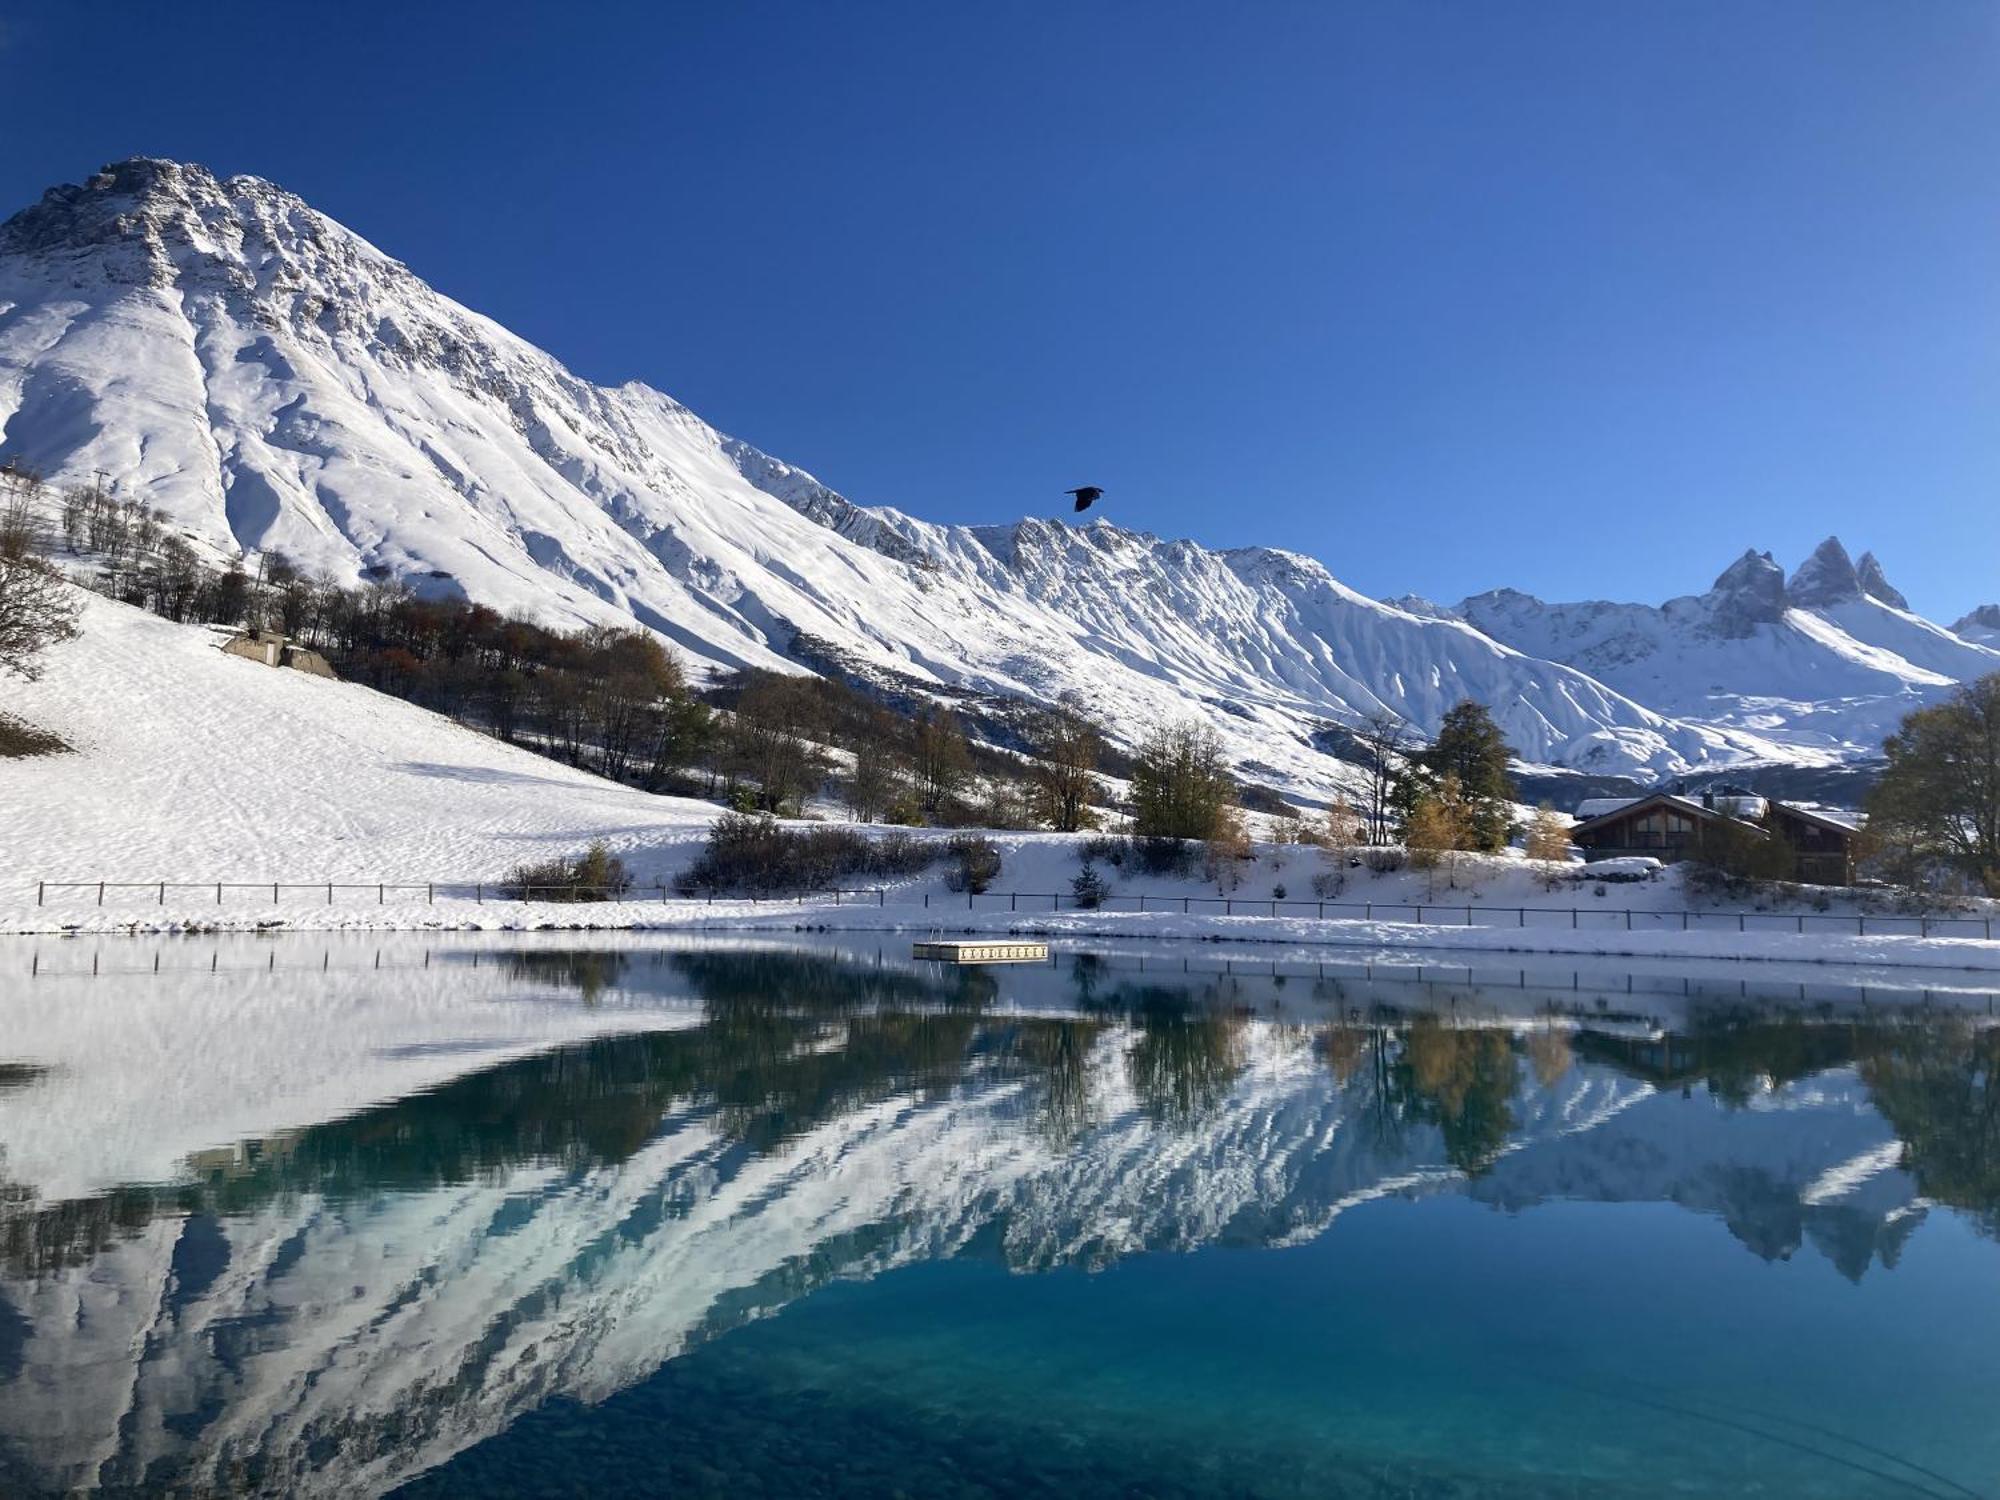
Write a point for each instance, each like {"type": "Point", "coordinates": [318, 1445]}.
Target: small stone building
{"type": "Point", "coordinates": [274, 649]}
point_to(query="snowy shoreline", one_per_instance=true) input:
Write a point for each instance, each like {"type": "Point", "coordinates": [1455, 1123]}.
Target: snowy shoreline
{"type": "Point", "coordinates": [824, 916]}
{"type": "Point", "coordinates": [191, 766]}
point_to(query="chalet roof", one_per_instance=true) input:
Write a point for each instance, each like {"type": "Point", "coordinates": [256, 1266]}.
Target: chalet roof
{"type": "Point", "coordinates": [1663, 799]}
{"type": "Point", "coordinates": [1833, 822]}
{"type": "Point", "coordinates": [1597, 807]}
{"type": "Point", "coordinates": [1744, 805]}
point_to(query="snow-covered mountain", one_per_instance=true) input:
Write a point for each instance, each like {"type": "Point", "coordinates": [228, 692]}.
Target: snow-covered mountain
{"type": "Point", "coordinates": [1981, 626]}
{"type": "Point", "coordinates": [1828, 660]}
{"type": "Point", "coordinates": [270, 380]}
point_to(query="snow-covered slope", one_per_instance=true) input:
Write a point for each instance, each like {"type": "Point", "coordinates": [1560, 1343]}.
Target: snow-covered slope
{"type": "Point", "coordinates": [248, 772]}
{"type": "Point", "coordinates": [270, 380]}
{"type": "Point", "coordinates": [1828, 661]}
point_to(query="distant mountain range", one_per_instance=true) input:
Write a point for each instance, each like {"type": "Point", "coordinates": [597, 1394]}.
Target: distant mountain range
{"type": "Point", "coordinates": [269, 380]}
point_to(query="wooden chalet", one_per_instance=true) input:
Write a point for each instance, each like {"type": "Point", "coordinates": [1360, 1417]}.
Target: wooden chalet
{"type": "Point", "coordinates": [1668, 826]}
{"type": "Point", "coordinates": [1825, 844]}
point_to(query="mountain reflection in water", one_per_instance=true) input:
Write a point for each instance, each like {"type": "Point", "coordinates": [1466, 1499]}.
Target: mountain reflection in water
{"type": "Point", "coordinates": [545, 1172]}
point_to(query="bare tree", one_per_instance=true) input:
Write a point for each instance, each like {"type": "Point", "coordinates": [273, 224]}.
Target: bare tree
{"type": "Point", "coordinates": [1384, 740]}
{"type": "Point", "coordinates": [38, 609]}
{"type": "Point", "coordinates": [1181, 787]}
{"type": "Point", "coordinates": [940, 762]}
{"type": "Point", "coordinates": [1066, 747]}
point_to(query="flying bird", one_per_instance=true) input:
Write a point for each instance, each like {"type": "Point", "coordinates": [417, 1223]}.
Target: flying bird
{"type": "Point", "coordinates": [1085, 496]}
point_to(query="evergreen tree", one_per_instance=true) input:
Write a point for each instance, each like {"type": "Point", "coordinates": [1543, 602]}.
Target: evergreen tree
{"type": "Point", "coordinates": [1470, 748]}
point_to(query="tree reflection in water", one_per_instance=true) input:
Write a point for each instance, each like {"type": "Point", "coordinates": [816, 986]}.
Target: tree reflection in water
{"type": "Point", "coordinates": [1938, 1086]}
{"type": "Point", "coordinates": [790, 1040]}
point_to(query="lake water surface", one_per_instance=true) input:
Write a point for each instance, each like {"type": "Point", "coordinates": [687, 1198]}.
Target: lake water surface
{"type": "Point", "coordinates": [633, 1215]}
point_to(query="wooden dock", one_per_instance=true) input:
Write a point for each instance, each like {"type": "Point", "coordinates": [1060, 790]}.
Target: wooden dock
{"type": "Point", "coordinates": [981, 951]}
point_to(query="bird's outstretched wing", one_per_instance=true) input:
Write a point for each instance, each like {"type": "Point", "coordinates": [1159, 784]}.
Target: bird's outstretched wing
{"type": "Point", "coordinates": [1085, 495]}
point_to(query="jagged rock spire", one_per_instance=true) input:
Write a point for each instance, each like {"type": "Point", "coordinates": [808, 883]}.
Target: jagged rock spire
{"type": "Point", "coordinates": [1827, 577]}
{"type": "Point", "coordinates": [1875, 585]}
{"type": "Point", "coordinates": [1749, 592]}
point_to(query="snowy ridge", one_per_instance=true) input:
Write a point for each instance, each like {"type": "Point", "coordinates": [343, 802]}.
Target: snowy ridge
{"type": "Point", "coordinates": [1829, 660]}
{"type": "Point", "coordinates": [271, 380]}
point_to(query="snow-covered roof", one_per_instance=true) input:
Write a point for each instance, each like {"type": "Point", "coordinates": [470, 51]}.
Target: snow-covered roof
{"type": "Point", "coordinates": [1735, 805]}
{"type": "Point", "coordinates": [1832, 817]}
{"type": "Point", "coordinates": [1597, 807]}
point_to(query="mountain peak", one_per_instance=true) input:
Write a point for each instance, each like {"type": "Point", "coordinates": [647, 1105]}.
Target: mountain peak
{"type": "Point", "coordinates": [149, 221]}
{"type": "Point", "coordinates": [1982, 626]}
{"type": "Point", "coordinates": [1875, 585]}
{"type": "Point", "coordinates": [1827, 577]}
{"type": "Point", "coordinates": [1749, 592]}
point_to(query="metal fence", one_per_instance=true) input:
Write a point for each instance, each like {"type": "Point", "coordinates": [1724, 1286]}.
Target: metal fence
{"type": "Point", "coordinates": [330, 892]}
{"type": "Point", "coordinates": [1424, 913]}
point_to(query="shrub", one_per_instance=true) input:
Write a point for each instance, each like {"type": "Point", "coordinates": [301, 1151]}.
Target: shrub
{"type": "Point", "coordinates": [1114, 849]}
{"type": "Point", "coordinates": [1161, 856]}
{"type": "Point", "coordinates": [1089, 887]}
{"type": "Point", "coordinates": [756, 855]}
{"type": "Point", "coordinates": [1330, 885]}
{"type": "Point", "coordinates": [1385, 859]}
{"type": "Point", "coordinates": [19, 740]}
{"type": "Point", "coordinates": [595, 875]}
{"type": "Point", "coordinates": [901, 853]}
{"type": "Point", "coordinates": [975, 863]}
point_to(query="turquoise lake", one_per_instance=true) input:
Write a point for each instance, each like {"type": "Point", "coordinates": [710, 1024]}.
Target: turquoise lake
{"type": "Point", "coordinates": [641, 1215]}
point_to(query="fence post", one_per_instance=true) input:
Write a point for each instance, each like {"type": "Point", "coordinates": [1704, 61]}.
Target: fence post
{"type": "Point", "coordinates": [1012, 896]}
{"type": "Point", "coordinates": [329, 893]}
{"type": "Point", "coordinates": [41, 890]}
{"type": "Point", "coordinates": [1274, 907]}
{"type": "Point", "coordinates": [1802, 924]}
{"type": "Point", "coordinates": [378, 894]}
{"type": "Point", "coordinates": [274, 894]}
{"type": "Point", "coordinates": [100, 893]}
{"type": "Point", "coordinates": [1184, 906]}
{"type": "Point", "coordinates": [1923, 926]}
{"type": "Point", "coordinates": [1572, 919]}
{"type": "Point", "coordinates": [163, 893]}
{"type": "Point", "coordinates": [1739, 923]}
{"type": "Point", "coordinates": [479, 893]}
{"type": "Point", "coordinates": [1628, 919]}
{"type": "Point", "coordinates": [1468, 916]}
{"type": "Point", "coordinates": [1684, 921]}
{"type": "Point", "coordinates": [881, 896]}
{"type": "Point", "coordinates": [430, 894]}
{"type": "Point", "coordinates": [1229, 908]}
{"type": "Point", "coordinates": [218, 893]}
{"type": "Point", "coordinates": [968, 897]}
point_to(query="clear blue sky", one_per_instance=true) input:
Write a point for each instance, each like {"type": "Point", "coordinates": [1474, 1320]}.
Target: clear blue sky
{"type": "Point", "coordinates": [1578, 297]}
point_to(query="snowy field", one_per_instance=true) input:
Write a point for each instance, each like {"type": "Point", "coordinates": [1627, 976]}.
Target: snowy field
{"type": "Point", "coordinates": [193, 768]}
